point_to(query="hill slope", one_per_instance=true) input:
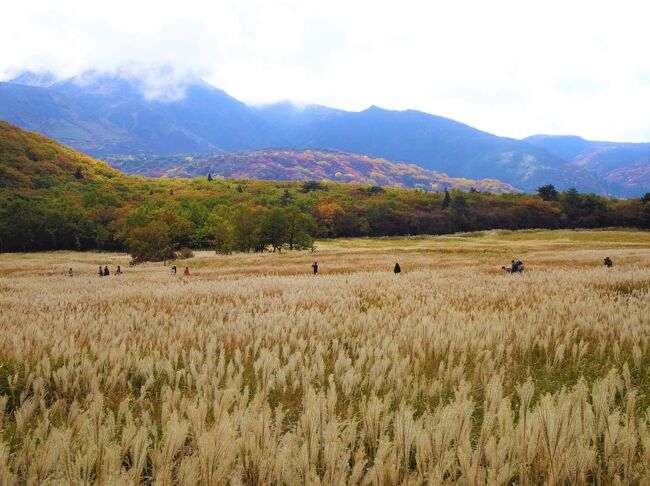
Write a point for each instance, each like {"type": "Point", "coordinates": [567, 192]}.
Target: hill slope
{"type": "Point", "coordinates": [626, 165]}
{"type": "Point", "coordinates": [431, 141]}
{"type": "Point", "coordinates": [54, 198]}
{"type": "Point", "coordinates": [111, 115]}
{"type": "Point", "coordinates": [50, 113]}
{"type": "Point", "coordinates": [302, 165]}
{"type": "Point", "coordinates": [33, 161]}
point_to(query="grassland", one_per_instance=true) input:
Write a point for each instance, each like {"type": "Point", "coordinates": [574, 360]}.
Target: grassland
{"type": "Point", "coordinates": [253, 371]}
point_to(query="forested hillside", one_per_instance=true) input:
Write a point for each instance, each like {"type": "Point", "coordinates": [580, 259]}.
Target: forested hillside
{"type": "Point", "coordinates": [54, 198]}
{"type": "Point", "coordinates": [303, 165]}
{"type": "Point", "coordinates": [626, 165]}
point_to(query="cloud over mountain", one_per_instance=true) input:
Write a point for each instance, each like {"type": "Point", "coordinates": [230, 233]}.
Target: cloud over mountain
{"type": "Point", "coordinates": [491, 64]}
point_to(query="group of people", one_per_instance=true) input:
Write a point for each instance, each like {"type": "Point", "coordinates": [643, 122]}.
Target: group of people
{"type": "Point", "coordinates": [105, 272]}
{"type": "Point", "coordinates": [516, 266]}
{"type": "Point", "coordinates": [186, 273]}
{"type": "Point", "coordinates": [396, 269]}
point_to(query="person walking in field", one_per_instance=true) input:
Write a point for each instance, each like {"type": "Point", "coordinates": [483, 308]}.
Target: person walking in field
{"type": "Point", "coordinates": [397, 268]}
{"type": "Point", "coordinates": [608, 262]}
{"type": "Point", "coordinates": [173, 270]}
{"type": "Point", "coordinates": [315, 267]}
{"type": "Point", "coordinates": [70, 272]}
{"type": "Point", "coordinates": [516, 266]}
{"type": "Point", "coordinates": [101, 272]}
{"type": "Point", "coordinates": [118, 271]}
{"type": "Point", "coordinates": [106, 272]}
{"type": "Point", "coordinates": [186, 273]}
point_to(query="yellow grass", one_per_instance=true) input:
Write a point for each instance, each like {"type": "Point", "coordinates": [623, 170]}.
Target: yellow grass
{"type": "Point", "coordinates": [253, 371]}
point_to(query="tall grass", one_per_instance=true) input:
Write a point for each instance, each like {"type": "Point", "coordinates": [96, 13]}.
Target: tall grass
{"type": "Point", "coordinates": [255, 372]}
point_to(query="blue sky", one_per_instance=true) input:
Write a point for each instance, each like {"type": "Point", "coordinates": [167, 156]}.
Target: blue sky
{"type": "Point", "coordinates": [514, 68]}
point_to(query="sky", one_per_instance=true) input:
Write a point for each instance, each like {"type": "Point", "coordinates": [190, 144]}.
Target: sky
{"type": "Point", "coordinates": [513, 68]}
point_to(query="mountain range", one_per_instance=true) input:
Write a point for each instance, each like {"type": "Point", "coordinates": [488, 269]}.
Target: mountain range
{"type": "Point", "coordinates": [115, 118]}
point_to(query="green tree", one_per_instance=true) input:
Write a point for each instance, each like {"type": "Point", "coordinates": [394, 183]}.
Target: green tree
{"type": "Point", "coordinates": [275, 228]}
{"type": "Point", "coordinates": [224, 242]}
{"type": "Point", "coordinates": [645, 199]}
{"type": "Point", "coordinates": [459, 204]}
{"type": "Point", "coordinates": [286, 199]}
{"type": "Point", "coordinates": [149, 243]}
{"type": "Point", "coordinates": [300, 228]}
{"type": "Point", "coordinates": [446, 201]}
{"type": "Point", "coordinates": [547, 192]}
{"type": "Point", "coordinates": [246, 228]}
{"type": "Point", "coordinates": [461, 213]}
{"type": "Point", "coordinates": [309, 186]}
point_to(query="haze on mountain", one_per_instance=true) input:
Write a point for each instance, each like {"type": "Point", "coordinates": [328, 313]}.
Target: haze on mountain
{"type": "Point", "coordinates": [107, 115]}
{"type": "Point", "coordinates": [508, 67]}
{"type": "Point", "coordinates": [138, 78]}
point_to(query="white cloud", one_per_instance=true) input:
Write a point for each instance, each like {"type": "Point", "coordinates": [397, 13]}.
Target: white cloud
{"type": "Point", "coordinates": [509, 67]}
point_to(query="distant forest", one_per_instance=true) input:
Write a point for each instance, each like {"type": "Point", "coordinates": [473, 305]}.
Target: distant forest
{"type": "Point", "coordinates": [52, 198]}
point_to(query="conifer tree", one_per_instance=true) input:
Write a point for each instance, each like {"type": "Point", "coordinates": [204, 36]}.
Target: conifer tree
{"type": "Point", "coordinates": [447, 200]}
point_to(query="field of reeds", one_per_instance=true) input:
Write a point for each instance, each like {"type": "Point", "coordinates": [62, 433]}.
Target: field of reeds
{"type": "Point", "coordinates": [253, 371]}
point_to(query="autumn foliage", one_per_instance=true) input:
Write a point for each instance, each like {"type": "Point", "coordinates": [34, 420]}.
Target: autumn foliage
{"type": "Point", "coordinates": [54, 198]}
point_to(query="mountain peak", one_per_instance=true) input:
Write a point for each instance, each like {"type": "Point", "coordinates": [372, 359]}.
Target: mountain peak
{"type": "Point", "coordinates": [41, 79]}
{"type": "Point", "coordinates": [542, 136]}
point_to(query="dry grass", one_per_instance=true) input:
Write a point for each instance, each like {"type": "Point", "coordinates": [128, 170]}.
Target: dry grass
{"type": "Point", "coordinates": [253, 371]}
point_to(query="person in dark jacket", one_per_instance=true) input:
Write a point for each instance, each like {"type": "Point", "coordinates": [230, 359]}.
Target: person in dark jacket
{"type": "Point", "coordinates": [608, 262]}
{"type": "Point", "coordinates": [397, 268]}
{"type": "Point", "coordinates": [516, 266]}
{"type": "Point", "coordinates": [118, 271]}
{"type": "Point", "coordinates": [106, 272]}
{"type": "Point", "coordinates": [101, 272]}
{"type": "Point", "coordinates": [315, 267]}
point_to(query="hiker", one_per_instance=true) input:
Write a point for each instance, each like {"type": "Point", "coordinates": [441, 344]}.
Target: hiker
{"type": "Point", "coordinates": [608, 262]}
{"type": "Point", "coordinates": [118, 271]}
{"type": "Point", "coordinates": [516, 266]}
{"type": "Point", "coordinates": [315, 267]}
{"type": "Point", "coordinates": [70, 272]}
{"type": "Point", "coordinates": [186, 273]}
{"type": "Point", "coordinates": [173, 270]}
{"type": "Point", "coordinates": [397, 268]}
{"type": "Point", "coordinates": [106, 272]}
{"type": "Point", "coordinates": [101, 272]}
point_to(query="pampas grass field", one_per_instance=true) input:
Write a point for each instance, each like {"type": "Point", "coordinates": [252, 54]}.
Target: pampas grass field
{"type": "Point", "coordinates": [253, 371]}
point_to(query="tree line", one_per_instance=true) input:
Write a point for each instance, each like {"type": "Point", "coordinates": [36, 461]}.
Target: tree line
{"type": "Point", "coordinates": [153, 219]}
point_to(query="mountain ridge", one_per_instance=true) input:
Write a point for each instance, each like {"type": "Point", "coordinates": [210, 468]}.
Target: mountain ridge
{"type": "Point", "coordinates": [107, 115]}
